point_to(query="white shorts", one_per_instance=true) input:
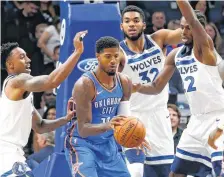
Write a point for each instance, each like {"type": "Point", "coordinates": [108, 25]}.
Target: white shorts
{"type": "Point", "coordinates": [13, 163]}
{"type": "Point", "coordinates": [193, 145]}
{"type": "Point", "coordinates": [159, 135]}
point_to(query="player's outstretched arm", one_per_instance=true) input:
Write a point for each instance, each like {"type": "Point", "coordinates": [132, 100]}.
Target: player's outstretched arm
{"type": "Point", "coordinates": [29, 83]}
{"type": "Point", "coordinates": [162, 79]}
{"type": "Point", "coordinates": [40, 125]}
{"type": "Point", "coordinates": [167, 37]}
{"type": "Point", "coordinates": [202, 42]}
{"type": "Point", "coordinates": [84, 93]}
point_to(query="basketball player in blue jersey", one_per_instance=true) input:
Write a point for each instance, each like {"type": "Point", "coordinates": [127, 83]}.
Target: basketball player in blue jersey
{"type": "Point", "coordinates": [199, 65]}
{"type": "Point", "coordinates": [18, 115]}
{"type": "Point", "coordinates": [142, 59]}
{"type": "Point", "coordinates": [100, 95]}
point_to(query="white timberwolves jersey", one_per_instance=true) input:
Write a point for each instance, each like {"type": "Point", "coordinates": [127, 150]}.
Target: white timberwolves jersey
{"type": "Point", "coordinates": [15, 121]}
{"type": "Point", "coordinates": [144, 68]}
{"type": "Point", "coordinates": [202, 83]}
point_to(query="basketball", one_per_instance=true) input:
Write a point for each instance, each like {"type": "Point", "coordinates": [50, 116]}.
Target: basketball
{"type": "Point", "coordinates": [131, 133]}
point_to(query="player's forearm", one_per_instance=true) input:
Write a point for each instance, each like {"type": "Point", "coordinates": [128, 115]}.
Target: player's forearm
{"type": "Point", "coordinates": [51, 125]}
{"type": "Point", "coordinates": [221, 69]}
{"type": "Point", "coordinates": [89, 129]}
{"type": "Point", "coordinates": [187, 11]}
{"type": "Point", "coordinates": [62, 72]}
{"type": "Point", "coordinates": [149, 89]}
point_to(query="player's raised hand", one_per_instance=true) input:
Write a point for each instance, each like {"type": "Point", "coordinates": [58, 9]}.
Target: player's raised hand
{"type": "Point", "coordinates": [78, 41]}
{"type": "Point", "coordinates": [116, 121]}
{"type": "Point", "coordinates": [70, 109]}
{"type": "Point", "coordinates": [214, 135]}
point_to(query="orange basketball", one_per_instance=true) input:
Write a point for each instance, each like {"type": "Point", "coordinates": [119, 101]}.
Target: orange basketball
{"type": "Point", "coordinates": [131, 133]}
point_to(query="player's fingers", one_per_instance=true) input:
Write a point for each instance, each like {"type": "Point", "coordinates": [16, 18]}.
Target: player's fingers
{"type": "Point", "coordinates": [114, 123]}
{"type": "Point", "coordinates": [118, 119]}
{"type": "Point", "coordinates": [112, 126]}
{"type": "Point", "coordinates": [146, 144]}
{"type": "Point", "coordinates": [138, 151]}
{"type": "Point", "coordinates": [80, 34]}
{"type": "Point", "coordinates": [143, 149]}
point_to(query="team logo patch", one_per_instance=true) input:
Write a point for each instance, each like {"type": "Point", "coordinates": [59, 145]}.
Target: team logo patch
{"type": "Point", "coordinates": [88, 64]}
{"type": "Point", "coordinates": [19, 168]}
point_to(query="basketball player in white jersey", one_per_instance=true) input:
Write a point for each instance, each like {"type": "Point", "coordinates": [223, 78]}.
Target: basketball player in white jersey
{"type": "Point", "coordinates": [18, 115]}
{"type": "Point", "coordinates": [142, 59]}
{"type": "Point", "coordinates": [198, 64]}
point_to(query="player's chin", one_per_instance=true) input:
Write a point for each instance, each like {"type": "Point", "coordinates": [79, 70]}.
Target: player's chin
{"type": "Point", "coordinates": [111, 73]}
{"type": "Point", "coordinates": [28, 71]}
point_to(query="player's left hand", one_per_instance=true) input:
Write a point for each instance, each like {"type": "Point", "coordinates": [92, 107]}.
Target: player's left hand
{"type": "Point", "coordinates": [136, 87]}
{"type": "Point", "coordinates": [214, 135]}
{"type": "Point", "coordinates": [70, 109]}
{"type": "Point", "coordinates": [143, 147]}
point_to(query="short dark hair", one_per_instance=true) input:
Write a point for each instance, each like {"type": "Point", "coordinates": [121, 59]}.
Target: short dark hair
{"type": "Point", "coordinates": [106, 42]}
{"type": "Point", "coordinates": [6, 50]}
{"type": "Point", "coordinates": [201, 17]}
{"type": "Point", "coordinates": [132, 8]}
{"type": "Point", "coordinates": [175, 108]}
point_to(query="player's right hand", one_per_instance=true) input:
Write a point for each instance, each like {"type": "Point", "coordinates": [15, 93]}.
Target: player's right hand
{"type": "Point", "coordinates": [116, 121]}
{"type": "Point", "coordinates": [214, 135]}
{"type": "Point", "coordinates": [143, 147]}
{"type": "Point", "coordinates": [78, 44]}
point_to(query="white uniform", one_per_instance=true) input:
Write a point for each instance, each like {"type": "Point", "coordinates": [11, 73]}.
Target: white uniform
{"type": "Point", "coordinates": [152, 110]}
{"type": "Point", "coordinates": [203, 89]}
{"type": "Point", "coordinates": [15, 127]}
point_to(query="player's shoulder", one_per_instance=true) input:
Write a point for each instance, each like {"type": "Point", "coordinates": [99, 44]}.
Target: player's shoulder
{"type": "Point", "coordinates": [16, 80]}
{"type": "Point", "coordinates": [84, 83]}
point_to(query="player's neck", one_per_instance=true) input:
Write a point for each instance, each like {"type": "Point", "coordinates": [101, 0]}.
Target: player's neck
{"type": "Point", "coordinates": [136, 46]}
{"type": "Point", "coordinates": [104, 79]}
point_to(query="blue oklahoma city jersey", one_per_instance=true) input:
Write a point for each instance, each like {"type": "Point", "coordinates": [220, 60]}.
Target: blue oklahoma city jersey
{"type": "Point", "coordinates": [104, 106]}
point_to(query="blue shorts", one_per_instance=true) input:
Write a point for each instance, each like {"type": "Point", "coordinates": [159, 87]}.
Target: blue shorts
{"type": "Point", "coordinates": [195, 168]}
{"type": "Point", "coordinates": [94, 160]}
{"type": "Point", "coordinates": [161, 170]}
{"type": "Point", "coordinates": [193, 155]}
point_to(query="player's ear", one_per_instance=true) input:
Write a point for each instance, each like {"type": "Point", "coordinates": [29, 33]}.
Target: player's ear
{"type": "Point", "coordinates": [121, 26]}
{"type": "Point", "coordinates": [98, 56]}
{"type": "Point", "coordinates": [10, 64]}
